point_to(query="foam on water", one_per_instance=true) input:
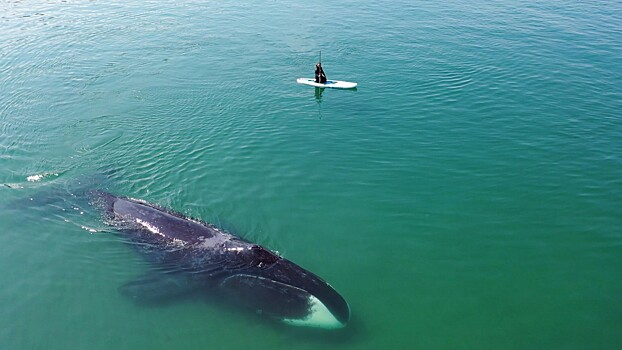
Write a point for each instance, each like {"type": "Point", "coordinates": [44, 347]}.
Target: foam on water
{"type": "Point", "coordinates": [39, 177]}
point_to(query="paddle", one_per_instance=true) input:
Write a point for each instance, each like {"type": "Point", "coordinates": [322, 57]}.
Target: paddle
{"type": "Point", "coordinates": [321, 64]}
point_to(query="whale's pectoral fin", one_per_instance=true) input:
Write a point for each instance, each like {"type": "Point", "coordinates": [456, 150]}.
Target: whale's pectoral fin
{"type": "Point", "coordinates": [156, 288]}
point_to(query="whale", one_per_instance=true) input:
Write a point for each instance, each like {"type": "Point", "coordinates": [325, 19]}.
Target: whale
{"type": "Point", "coordinates": [192, 256]}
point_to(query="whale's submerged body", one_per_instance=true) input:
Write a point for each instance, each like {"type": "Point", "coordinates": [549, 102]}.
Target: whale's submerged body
{"type": "Point", "coordinates": [193, 255]}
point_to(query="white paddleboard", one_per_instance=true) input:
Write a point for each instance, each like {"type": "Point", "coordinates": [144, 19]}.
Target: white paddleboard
{"type": "Point", "coordinates": [335, 84]}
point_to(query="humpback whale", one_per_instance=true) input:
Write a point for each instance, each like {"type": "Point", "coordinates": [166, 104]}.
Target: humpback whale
{"type": "Point", "coordinates": [195, 256]}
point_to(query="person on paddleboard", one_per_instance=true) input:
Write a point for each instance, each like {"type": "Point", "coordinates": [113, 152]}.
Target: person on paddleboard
{"type": "Point", "coordinates": [320, 77]}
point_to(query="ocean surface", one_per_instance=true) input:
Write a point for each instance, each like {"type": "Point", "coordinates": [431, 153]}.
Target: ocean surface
{"type": "Point", "coordinates": [467, 195]}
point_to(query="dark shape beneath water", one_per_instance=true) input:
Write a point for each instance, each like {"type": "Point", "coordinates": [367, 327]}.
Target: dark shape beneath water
{"type": "Point", "coordinates": [194, 256]}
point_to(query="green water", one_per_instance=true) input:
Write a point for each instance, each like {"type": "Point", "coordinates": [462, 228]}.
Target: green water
{"type": "Point", "coordinates": [467, 196]}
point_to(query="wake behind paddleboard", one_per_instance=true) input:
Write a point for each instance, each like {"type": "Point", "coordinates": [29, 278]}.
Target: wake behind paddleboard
{"type": "Point", "coordinates": [335, 84]}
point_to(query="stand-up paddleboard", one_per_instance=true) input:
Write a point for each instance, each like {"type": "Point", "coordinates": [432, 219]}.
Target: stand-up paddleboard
{"type": "Point", "coordinates": [335, 84]}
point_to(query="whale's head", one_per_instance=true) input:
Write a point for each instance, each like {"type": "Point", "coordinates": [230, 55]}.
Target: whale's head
{"type": "Point", "coordinates": [283, 290]}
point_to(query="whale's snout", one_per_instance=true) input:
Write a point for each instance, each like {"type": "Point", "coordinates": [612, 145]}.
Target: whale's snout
{"type": "Point", "coordinates": [288, 292]}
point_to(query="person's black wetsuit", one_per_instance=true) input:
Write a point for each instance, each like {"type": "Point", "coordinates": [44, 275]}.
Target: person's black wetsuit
{"type": "Point", "coordinates": [320, 77]}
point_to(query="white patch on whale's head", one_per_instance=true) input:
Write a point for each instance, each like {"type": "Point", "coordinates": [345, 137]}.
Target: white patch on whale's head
{"type": "Point", "coordinates": [149, 227]}
{"type": "Point", "coordinates": [319, 316]}
{"type": "Point", "coordinates": [282, 301]}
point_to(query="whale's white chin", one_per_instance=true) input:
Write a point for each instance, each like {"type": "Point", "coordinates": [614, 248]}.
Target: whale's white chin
{"type": "Point", "coordinates": [319, 316]}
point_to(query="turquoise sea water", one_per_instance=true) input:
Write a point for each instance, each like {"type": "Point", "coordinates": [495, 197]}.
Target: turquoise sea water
{"type": "Point", "coordinates": [468, 195]}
